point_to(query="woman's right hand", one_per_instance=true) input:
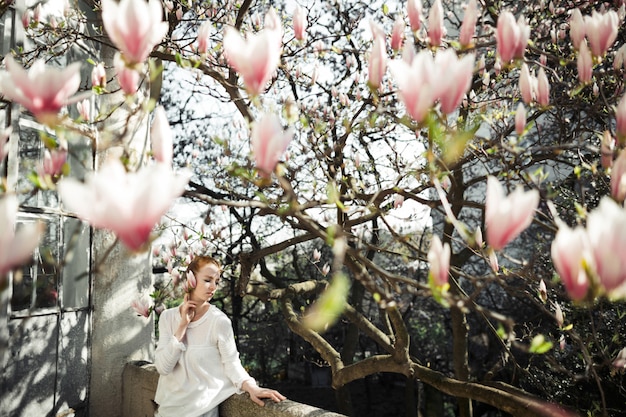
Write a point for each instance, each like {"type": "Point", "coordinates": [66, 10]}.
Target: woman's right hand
{"type": "Point", "coordinates": [188, 309]}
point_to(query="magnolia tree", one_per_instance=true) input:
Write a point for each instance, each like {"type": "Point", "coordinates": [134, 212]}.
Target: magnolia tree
{"type": "Point", "coordinates": [459, 158]}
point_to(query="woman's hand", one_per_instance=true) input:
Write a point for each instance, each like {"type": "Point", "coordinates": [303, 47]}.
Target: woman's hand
{"type": "Point", "coordinates": [257, 393]}
{"type": "Point", "coordinates": [188, 309]}
{"type": "Point", "coordinates": [187, 313]}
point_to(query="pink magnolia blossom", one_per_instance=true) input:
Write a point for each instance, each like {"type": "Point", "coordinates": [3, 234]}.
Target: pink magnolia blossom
{"type": "Point", "coordinates": [543, 291]}
{"type": "Point", "coordinates": [27, 17]}
{"type": "Point", "coordinates": [576, 28]}
{"type": "Point", "coordinates": [141, 307]}
{"type": "Point", "coordinates": [416, 83]}
{"type": "Point", "coordinates": [605, 228]}
{"type": "Point", "coordinates": [558, 315]}
{"type": "Point", "coordinates": [269, 141]}
{"type": "Point", "coordinates": [84, 109]}
{"type": "Point", "coordinates": [468, 27]}
{"type": "Point", "coordinates": [414, 11]}
{"type": "Point", "coordinates": [191, 281]}
{"type": "Point", "coordinates": [543, 88]}
{"type": "Point", "coordinates": [204, 33]}
{"type": "Point", "coordinates": [397, 34]}
{"type": "Point", "coordinates": [620, 116]}
{"type": "Point", "coordinates": [299, 23]}
{"type": "Point", "coordinates": [601, 31]}
{"type": "Point", "coordinates": [619, 362]}
{"type": "Point", "coordinates": [527, 84]}
{"type": "Point", "coordinates": [127, 78]}
{"type": "Point", "coordinates": [569, 250]}
{"type": "Point", "coordinates": [618, 177]}
{"type": "Point", "coordinates": [436, 29]}
{"type": "Point", "coordinates": [127, 203]}
{"type": "Point", "coordinates": [460, 71]}
{"type": "Point", "coordinates": [511, 37]}
{"type": "Point", "coordinates": [41, 90]}
{"type": "Point", "coordinates": [98, 76]}
{"type": "Point", "coordinates": [5, 134]}
{"type": "Point", "coordinates": [162, 137]}
{"type": "Point", "coordinates": [54, 160]}
{"type": "Point", "coordinates": [16, 247]}
{"type": "Point", "coordinates": [584, 63]}
{"type": "Point", "coordinates": [439, 260]}
{"type": "Point", "coordinates": [507, 217]}
{"type": "Point", "coordinates": [520, 119]}
{"type": "Point", "coordinates": [607, 149]}
{"type": "Point", "coordinates": [255, 58]}
{"type": "Point", "coordinates": [377, 64]}
{"type": "Point", "coordinates": [134, 26]}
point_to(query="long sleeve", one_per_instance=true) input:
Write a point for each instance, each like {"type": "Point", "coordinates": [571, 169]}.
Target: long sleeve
{"type": "Point", "coordinates": [169, 348]}
{"type": "Point", "coordinates": [229, 354]}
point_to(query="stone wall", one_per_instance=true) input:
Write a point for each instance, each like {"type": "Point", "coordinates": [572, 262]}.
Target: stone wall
{"type": "Point", "coordinates": [139, 385]}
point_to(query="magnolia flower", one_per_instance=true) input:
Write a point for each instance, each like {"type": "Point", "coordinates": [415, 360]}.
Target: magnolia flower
{"type": "Point", "coordinates": [127, 77]}
{"type": "Point", "coordinates": [543, 291]}
{"type": "Point", "coordinates": [601, 31]}
{"type": "Point", "coordinates": [41, 90]}
{"type": "Point", "coordinates": [299, 23]}
{"type": "Point", "coordinates": [397, 34]}
{"type": "Point", "coordinates": [468, 27]}
{"type": "Point", "coordinates": [543, 88]}
{"type": "Point", "coordinates": [269, 141]}
{"type": "Point", "coordinates": [605, 228]}
{"type": "Point", "coordinates": [27, 16]}
{"type": "Point", "coordinates": [16, 247]}
{"type": "Point", "coordinates": [416, 83]}
{"type": "Point", "coordinates": [162, 141]}
{"type": "Point", "coordinates": [576, 28]}
{"type": "Point", "coordinates": [98, 76]}
{"type": "Point", "coordinates": [520, 119]}
{"type": "Point", "coordinates": [414, 11]}
{"type": "Point", "coordinates": [511, 37]}
{"type": "Point", "coordinates": [53, 161]}
{"type": "Point", "coordinates": [439, 260]}
{"type": "Point", "coordinates": [607, 149]}
{"type": "Point", "coordinates": [558, 315]}
{"type": "Point", "coordinates": [507, 217]}
{"type": "Point", "coordinates": [317, 255]}
{"type": "Point", "coordinates": [204, 33]}
{"type": "Point", "coordinates": [526, 84]}
{"type": "Point", "coordinates": [569, 250]}
{"type": "Point", "coordinates": [620, 116]}
{"type": "Point", "coordinates": [141, 307]}
{"type": "Point", "coordinates": [134, 26]}
{"type": "Point", "coordinates": [618, 178]}
{"type": "Point", "coordinates": [584, 63]}
{"type": "Point", "coordinates": [191, 281]}
{"type": "Point", "coordinates": [255, 58]}
{"type": "Point", "coordinates": [84, 109]}
{"type": "Point", "coordinates": [398, 201]}
{"type": "Point", "coordinates": [620, 361]}
{"type": "Point", "coordinates": [127, 203]}
{"type": "Point", "coordinates": [377, 62]}
{"type": "Point", "coordinates": [5, 134]}
{"type": "Point", "coordinates": [436, 29]}
{"type": "Point", "coordinates": [459, 71]}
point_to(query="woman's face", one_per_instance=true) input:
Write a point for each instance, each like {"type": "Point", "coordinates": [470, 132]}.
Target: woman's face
{"type": "Point", "coordinates": [207, 280]}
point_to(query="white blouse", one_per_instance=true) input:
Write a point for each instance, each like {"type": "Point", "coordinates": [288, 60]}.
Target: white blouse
{"type": "Point", "coordinates": [196, 375]}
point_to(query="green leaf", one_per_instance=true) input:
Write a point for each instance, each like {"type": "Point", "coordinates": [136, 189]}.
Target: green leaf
{"type": "Point", "coordinates": [328, 307]}
{"type": "Point", "coordinates": [540, 345]}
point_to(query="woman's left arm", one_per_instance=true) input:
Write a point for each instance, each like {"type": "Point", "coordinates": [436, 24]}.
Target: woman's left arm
{"type": "Point", "coordinates": [234, 369]}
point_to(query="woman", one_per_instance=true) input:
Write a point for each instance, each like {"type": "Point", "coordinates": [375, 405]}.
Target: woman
{"type": "Point", "coordinates": [196, 357]}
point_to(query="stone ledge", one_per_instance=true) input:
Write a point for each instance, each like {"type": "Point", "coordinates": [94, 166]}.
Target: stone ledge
{"type": "Point", "coordinates": [139, 384]}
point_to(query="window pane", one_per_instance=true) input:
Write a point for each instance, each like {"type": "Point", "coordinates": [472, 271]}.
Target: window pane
{"type": "Point", "coordinates": [76, 238]}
